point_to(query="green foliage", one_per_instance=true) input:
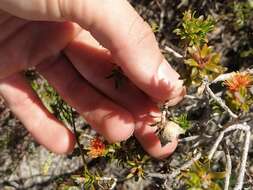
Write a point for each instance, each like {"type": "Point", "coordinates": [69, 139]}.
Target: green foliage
{"type": "Point", "coordinates": [243, 13]}
{"type": "Point", "coordinates": [201, 177]}
{"type": "Point", "coordinates": [154, 26]}
{"type": "Point", "coordinates": [238, 95]}
{"type": "Point", "coordinates": [239, 104]}
{"type": "Point", "coordinates": [4, 141]}
{"type": "Point", "coordinates": [247, 53]}
{"type": "Point", "coordinates": [182, 121]}
{"type": "Point", "coordinates": [194, 29]}
{"type": "Point", "coordinates": [203, 62]}
{"type": "Point", "coordinates": [137, 167]}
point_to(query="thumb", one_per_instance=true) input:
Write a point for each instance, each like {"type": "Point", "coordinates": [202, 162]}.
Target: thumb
{"type": "Point", "coordinates": [117, 26]}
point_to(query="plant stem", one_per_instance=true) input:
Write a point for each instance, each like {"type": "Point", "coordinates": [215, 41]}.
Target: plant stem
{"type": "Point", "coordinates": [78, 141]}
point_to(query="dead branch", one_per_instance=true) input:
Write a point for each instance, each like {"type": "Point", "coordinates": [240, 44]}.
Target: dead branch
{"type": "Point", "coordinates": [185, 166]}
{"type": "Point", "coordinates": [162, 15]}
{"type": "Point", "coordinates": [227, 76]}
{"type": "Point", "coordinates": [228, 168]}
{"type": "Point", "coordinates": [246, 129]}
{"type": "Point", "coordinates": [242, 170]}
{"type": "Point", "coordinates": [219, 100]}
{"type": "Point", "coordinates": [173, 52]}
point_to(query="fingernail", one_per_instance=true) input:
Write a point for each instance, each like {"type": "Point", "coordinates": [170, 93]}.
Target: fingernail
{"type": "Point", "coordinates": [177, 89]}
{"type": "Point", "coordinates": [167, 74]}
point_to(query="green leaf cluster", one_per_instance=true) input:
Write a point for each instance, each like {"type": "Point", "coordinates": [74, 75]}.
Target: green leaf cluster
{"type": "Point", "coordinates": [182, 121]}
{"type": "Point", "coordinates": [194, 29]}
{"type": "Point", "coordinates": [239, 102]}
{"type": "Point", "coordinates": [203, 62]}
{"type": "Point", "coordinates": [137, 167]}
{"type": "Point", "coordinates": [243, 13]}
{"type": "Point", "coordinates": [201, 176]}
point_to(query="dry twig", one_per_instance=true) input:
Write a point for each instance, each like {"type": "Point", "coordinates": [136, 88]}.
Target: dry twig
{"type": "Point", "coordinates": [162, 15]}
{"type": "Point", "coordinates": [173, 52]}
{"type": "Point", "coordinates": [219, 100]}
{"type": "Point", "coordinates": [246, 129]}
{"type": "Point", "coordinates": [228, 168]}
{"type": "Point", "coordinates": [185, 166]}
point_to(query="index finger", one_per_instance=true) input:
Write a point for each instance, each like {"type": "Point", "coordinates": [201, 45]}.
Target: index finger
{"type": "Point", "coordinates": [117, 26]}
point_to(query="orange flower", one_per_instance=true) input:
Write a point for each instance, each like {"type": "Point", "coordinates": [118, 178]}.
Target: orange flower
{"type": "Point", "coordinates": [239, 81]}
{"type": "Point", "coordinates": [97, 148]}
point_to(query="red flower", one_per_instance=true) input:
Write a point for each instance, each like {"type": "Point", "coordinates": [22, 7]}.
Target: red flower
{"type": "Point", "coordinates": [239, 81]}
{"type": "Point", "coordinates": [97, 148]}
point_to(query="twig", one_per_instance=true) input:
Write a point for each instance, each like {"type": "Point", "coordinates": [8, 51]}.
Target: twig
{"type": "Point", "coordinates": [177, 171]}
{"type": "Point", "coordinates": [73, 124]}
{"type": "Point", "coordinates": [243, 127]}
{"type": "Point", "coordinates": [228, 168]}
{"type": "Point", "coordinates": [246, 129]}
{"type": "Point", "coordinates": [158, 175]}
{"type": "Point", "coordinates": [227, 76]}
{"type": "Point", "coordinates": [158, 4]}
{"type": "Point", "coordinates": [187, 139]}
{"type": "Point", "coordinates": [186, 165]}
{"type": "Point", "coordinates": [222, 78]}
{"type": "Point", "coordinates": [162, 15]}
{"type": "Point", "coordinates": [250, 71]}
{"type": "Point", "coordinates": [190, 97]}
{"type": "Point", "coordinates": [172, 51]}
{"type": "Point", "coordinates": [242, 170]}
{"type": "Point", "coordinates": [87, 136]}
{"type": "Point", "coordinates": [219, 100]}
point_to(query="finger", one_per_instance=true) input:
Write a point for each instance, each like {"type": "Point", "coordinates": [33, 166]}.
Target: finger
{"type": "Point", "coordinates": [94, 63]}
{"type": "Point", "coordinates": [39, 122]}
{"type": "Point", "coordinates": [107, 118]}
{"type": "Point", "coordinates": [117, 26]}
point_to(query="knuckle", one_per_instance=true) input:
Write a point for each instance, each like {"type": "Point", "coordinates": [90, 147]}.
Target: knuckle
{"type": "Point", "coordinates": [62, 8]}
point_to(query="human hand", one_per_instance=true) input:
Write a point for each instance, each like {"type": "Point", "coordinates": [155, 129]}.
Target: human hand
{"type": "Point", "coordinates": [42, 33]}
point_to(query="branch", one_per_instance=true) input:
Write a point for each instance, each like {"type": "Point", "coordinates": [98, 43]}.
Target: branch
{"type": "Point", "coordinates": [187, 139]}
{"type": "Point", "coordinates": [158, 175]}
{"type": "Point", "coordinates": [222, 78]}
{"type": "Point", "coordinates": [228, 168]}
{"type": "Point", "coordinates": [173, 52]}
{"type": "Point", "coordinates": [227, 76]}
{"type": "Point", "coordinates": [242, 170]}
{"type": "Point", "coordinates": [162, 15]}
{"type": "Point", "coordinates": [243, 127]}
{"type": "Point", "coordinates": [186, 165]}
{"type": "Point", "coordinates": [177, 171]}
{"type": "Point", "coordinates": [246, 129]}
{"type": "Point", "coordinates": [219, 100]}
